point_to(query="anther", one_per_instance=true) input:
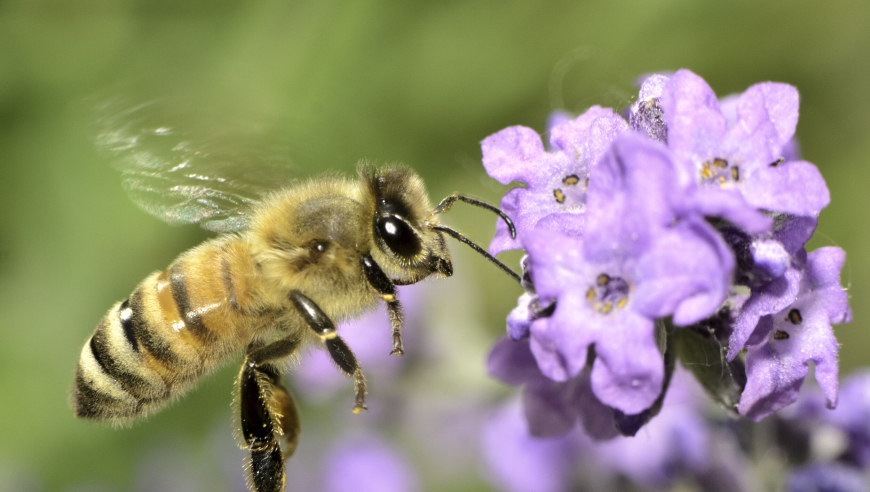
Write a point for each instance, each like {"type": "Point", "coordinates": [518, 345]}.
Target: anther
{"type": "Point", "coordinates": [795, 317]}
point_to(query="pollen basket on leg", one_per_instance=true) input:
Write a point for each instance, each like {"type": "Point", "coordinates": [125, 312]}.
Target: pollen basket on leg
{"type": "Point", "coordinates": [608, 293]}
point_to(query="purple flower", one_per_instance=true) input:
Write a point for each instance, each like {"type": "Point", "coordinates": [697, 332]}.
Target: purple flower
{"type": "Point", "coordinates": [639, 260]}
{"type": "Point", "coordinates": [826, 477]}
{"type": "Point", "coordinates": [851, 417]}
{"type": "Point", "coordinates": [368, 464]}
{"type": "Point", "coordinates": [551, 408]}
{"type": "Point", "coordinates": [555, 196]}
{"type": "Point", "coordinates": [519, 462]}
{"type": "Point", "coordinates": [741, 163]}
{"type": "Point", "coordinates": [783, 344]}
{"type": "Point", "coordinates": [771, 266]}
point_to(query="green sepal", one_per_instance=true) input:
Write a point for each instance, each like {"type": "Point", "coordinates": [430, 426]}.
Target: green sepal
{"type": "Point", "coordinates": [702, 354]}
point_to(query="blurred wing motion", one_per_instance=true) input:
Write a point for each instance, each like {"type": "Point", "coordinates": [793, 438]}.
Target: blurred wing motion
{"type": "Point", "coordinates": [188, 172]}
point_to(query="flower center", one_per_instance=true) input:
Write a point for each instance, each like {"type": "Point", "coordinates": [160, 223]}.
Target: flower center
{"type": "Point", "coordinates": [719, 171]}
{"type": "Point", "coordinates": [569, 188]}
{"type": "Point", "coordinates": [607, 293]}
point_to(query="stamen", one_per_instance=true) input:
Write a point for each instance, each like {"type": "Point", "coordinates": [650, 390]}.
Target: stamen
{"type": "Point", "coordinates": [560, 197]}
{"type": "Point", "coordinates": [571, 180]}
{"type": "Point", "coordinates": [706, 172]}
{"type": "Point", "coordinates": [780, 335]}
{"type": "Point", "coordinates": [795, 317]}
{"type": "Point", "coordinates": [719, 171]}
{"type": "Point", "coordinates": [608, 293]}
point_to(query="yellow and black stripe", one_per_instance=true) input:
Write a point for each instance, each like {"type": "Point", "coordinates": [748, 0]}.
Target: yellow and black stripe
{"type": "Point", "coordinates": [170, 332]}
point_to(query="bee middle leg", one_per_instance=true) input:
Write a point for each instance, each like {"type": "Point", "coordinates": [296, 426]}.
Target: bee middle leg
{"type": "Point", "coordinates": [385, 287]}
{"type": "Point", "coordinates": [339, 351]}
{"type": "Point", "coordinates": [267, 412]}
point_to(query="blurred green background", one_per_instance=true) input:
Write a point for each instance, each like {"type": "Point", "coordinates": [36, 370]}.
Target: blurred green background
{"type": "Point", "coordinates": [416, 82]}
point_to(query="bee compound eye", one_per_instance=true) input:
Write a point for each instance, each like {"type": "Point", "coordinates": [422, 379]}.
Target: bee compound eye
{"type": "Point", "coordinates": [398, 236]}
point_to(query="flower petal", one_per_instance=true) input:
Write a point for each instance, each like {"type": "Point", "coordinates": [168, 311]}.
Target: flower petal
{"type": "Point", "coordinates": [774, 103]}
{"type": "Point", "coordinates": [794, 187]}
{"type": "Point", "coordinates": [512, 362]}
{"type": "Point", "coordinates": [693, 117]}
{"type": "Point", "coordinates": [687, 273]}
{"type": "Point", "coordinates": [513, 154]}
{"type": "Point", "coordinates": [629, 370]}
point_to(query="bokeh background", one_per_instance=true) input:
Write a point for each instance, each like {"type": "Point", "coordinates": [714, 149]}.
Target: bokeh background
{"type": "Point", "coordinates": [416, 82]}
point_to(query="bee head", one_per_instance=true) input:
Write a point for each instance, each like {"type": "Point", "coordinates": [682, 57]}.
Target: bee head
{"type": "Point", "coordinates": [406, 230]}
{"type": "Point", "coordinates": [405, 245]}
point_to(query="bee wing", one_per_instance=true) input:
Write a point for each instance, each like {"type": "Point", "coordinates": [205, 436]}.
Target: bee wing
{"type": "Point", "coordinates": [190, 172]}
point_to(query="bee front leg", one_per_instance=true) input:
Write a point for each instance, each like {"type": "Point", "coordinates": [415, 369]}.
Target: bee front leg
{"type": "Point", "coordinates": [338, 350]}
{"type": "Point", "coordinates": [385, 287]}
{"type": "Point", "coordinates": [267, 412]}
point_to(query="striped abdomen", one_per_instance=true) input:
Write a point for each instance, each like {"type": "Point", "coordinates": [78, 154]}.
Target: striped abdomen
{"type": "Point", "coordinates": [176, 326]}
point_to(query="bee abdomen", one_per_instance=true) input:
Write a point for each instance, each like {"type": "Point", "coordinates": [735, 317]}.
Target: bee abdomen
{"type": "Point", "coordinates": [114, 379]}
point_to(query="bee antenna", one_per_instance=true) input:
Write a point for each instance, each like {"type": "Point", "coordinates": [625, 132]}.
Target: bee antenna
{"type": "Point", "coordinates": [480, 250]}
{"type": "Point", "coordinates": [446, 203]}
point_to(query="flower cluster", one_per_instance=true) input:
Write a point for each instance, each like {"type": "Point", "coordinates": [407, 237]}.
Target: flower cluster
{"type": "Point", "coordinates": [675, 232]}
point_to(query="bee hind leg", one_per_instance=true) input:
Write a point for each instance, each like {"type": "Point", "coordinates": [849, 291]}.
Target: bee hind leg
{"type": "Point", "coordinates": [268, 412]}
{"type": "Point", "coordinates": [341, 354]}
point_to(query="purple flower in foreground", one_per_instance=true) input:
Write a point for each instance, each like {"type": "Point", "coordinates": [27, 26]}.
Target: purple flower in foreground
{"type": "Point", "coordinates": [367, 464]}
{"type": "Point", "coordinates": [741, 165]}
{"type": "Point", "coordinates": [638, 261]}
{"type": "Point", "coordinates": [556, 194]}
{"type": "Point", "coordinates": [783, 344]}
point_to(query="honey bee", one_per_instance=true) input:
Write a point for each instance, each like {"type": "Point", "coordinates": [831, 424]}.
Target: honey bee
{"type": "Point", "coordinates": [288, 268]}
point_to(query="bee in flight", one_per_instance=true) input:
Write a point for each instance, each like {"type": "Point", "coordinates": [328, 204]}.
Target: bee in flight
{"type": "Point", "coordinates": [289, 266]}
